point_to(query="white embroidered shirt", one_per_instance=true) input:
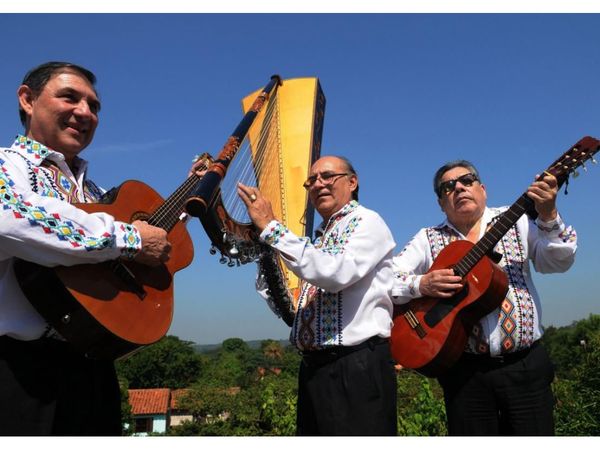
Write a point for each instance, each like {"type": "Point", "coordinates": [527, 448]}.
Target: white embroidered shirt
{"type": "Point", "coordinates": [550, 246]}
{"type": "Point", "coordinates": [347, 278]}
{"type": "Point", "coordinates": [38, 224]}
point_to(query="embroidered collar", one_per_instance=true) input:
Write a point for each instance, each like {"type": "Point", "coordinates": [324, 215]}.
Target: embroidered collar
{"type": "Point", "coordinates": [337, 216]}
{"type": "Point", "coordinates": [36, 152]}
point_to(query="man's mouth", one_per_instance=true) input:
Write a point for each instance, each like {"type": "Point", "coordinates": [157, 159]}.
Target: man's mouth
{"type": "Point", "coordinates": [463, 199]}
{"type": "Point", "coordinates": [78, 128]}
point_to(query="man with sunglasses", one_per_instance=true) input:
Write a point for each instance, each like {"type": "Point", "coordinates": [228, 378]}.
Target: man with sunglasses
{"type": "Point", "coordinates": [347, 383]}
{"type": "Point", "coordinates": [501, 383]}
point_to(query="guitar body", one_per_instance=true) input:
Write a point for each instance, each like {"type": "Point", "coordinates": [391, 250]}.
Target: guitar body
{"type": "Point", "coordinates": [438, 336]}
{"type": "Point", "coordinates": [102, 312]}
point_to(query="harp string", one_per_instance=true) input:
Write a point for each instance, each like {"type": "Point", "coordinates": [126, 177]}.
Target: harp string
{"type": "Point", "coordinates": [260, 169]}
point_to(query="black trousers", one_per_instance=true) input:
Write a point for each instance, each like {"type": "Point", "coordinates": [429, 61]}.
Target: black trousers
{"type": "Point", "coordinates": [46, 388]}
{"type": "Point", "coordinates": [509, 396]}
{"type": "Point", "coordinates": [348, 392]}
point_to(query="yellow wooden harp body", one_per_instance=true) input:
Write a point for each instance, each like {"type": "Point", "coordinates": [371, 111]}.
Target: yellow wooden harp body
{"type": "Point", "coordinates": [272, 148]}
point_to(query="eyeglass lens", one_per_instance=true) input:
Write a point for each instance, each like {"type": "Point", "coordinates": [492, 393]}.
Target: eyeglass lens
{"type": "Point", "coordinates": [326, 178]}
{"type": "Point", "coordinates": [466, 180]}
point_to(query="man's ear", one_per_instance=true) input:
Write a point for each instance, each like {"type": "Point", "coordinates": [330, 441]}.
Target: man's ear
{"type": "Point", "coordinates": [353, 182]}
{"type": "Point", "coordinates": [26, 99]}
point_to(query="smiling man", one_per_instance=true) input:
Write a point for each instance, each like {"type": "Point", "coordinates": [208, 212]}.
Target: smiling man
{"type": "Point", "coordinates": [347, 384]}
{"type": "Point", "coordinates": [46, 387]}
{"type": "Point", "coordinates": [501, 384]}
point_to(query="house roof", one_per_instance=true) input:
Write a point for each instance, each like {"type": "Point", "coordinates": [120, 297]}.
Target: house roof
{"type": "Point", "coordinates": [149, 401]}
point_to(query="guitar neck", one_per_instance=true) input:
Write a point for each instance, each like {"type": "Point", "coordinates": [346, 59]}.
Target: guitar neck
{"type": "Point", "coordinates": [168, 214]}
{"type": "Point", "coordinates": [573, 158]}
{"type": "Point", "coordinates": [486, 244]}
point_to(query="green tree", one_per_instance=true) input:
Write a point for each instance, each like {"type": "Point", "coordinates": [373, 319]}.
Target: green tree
{"type": "Point", "coordinates": [126, 415]}
{"type": "Point", "coordinates": [566, 345]}
{"type": "Point", "coordinates": [421, 410]}
{"type": "Point", "coordinates": [278, 399]}
{"type": "Point", "coordinates": [577, 411]}
{"type": "Point", "coordinates": [171, 363]}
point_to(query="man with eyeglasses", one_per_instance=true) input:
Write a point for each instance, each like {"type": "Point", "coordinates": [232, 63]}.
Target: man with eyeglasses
{"type": "Point", "coordinates": [347, 383]}
{"type": "Point", "coordinates": [501, 383]}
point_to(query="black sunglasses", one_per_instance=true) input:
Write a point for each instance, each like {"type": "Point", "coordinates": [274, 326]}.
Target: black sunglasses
{"type": "Point", "coordinates": [447, 187]}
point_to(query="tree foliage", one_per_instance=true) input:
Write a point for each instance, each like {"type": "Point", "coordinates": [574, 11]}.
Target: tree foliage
{"type": "Point", "coordinates": [170, 363]}
{"type": "Point", "coordinates": [241, 391]}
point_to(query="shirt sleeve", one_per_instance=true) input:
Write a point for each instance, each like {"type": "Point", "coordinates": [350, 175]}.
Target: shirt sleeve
{"type": "Point", "coordinates": [552, 245]}
{"type": "Point", "coordinates": [367, 245]}
{"type": "Point", "coordinates": [409, 266]}
{"type": "Point", "coordinates": [50, 232]}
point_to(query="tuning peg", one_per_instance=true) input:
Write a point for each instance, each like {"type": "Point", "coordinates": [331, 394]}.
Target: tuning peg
{"type": "Point", "coordinates": [594, 161]}
{"type": "Point", "coordinates": [213, 250]}
{"type": "Point", "coordinates": [575, 174]}
{"type": "Point", "coordinates": [584, 168]}
{"type": "Point", "coordinates": [222, 259]}
{"type": "Point", "coordinates": [231, 263]}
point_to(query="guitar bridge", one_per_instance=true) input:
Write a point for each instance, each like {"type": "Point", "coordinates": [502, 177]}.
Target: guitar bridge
{"type": "Point", "coordinates": [127, 276]}
{"type": "Point", "coordinates": [414, 323]}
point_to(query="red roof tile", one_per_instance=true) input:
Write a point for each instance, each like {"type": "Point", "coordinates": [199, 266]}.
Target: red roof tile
{"type": "Point", "coordinates": [149, 401]}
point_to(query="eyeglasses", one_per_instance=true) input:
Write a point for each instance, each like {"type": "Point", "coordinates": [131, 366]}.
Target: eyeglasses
{"type": "Point", "coordinates": [326, 178]}
{"type": "Point", "coordinates": [447, 187]}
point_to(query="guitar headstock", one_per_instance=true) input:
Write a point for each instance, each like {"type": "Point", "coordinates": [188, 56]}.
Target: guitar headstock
{"type": "Point", "coordinates": [583, 151]}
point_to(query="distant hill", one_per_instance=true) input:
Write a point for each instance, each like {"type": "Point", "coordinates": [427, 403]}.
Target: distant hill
{"type": "Point", "coordinates": [208, 348]}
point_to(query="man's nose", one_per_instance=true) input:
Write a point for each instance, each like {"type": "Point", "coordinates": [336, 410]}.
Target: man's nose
{"type": "Point", "coordinates": [83, 110]}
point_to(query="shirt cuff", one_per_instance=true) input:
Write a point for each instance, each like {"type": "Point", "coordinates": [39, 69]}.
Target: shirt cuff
{"type": "Point", "coordinates": [128, 239]}
{"type": "Point", "coordinates": [554, 226]}
{"type": "Point", "coordinates": [273, 232]}
{"type": "Point", "coordinates": [406, 286]}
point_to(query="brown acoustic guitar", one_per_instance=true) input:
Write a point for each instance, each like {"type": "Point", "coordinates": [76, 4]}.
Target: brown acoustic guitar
{"type": "Point", "coordinates": [110, 309]}
{"type": "Point", "coordinates": [429, 334]}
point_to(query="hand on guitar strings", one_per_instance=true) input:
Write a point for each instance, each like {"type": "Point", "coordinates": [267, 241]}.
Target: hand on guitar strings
{"type": "Point", "coordinates": [440, 283]}
{"type": "Point", "coordinates": [259, 208]}
{"type": "Point", "coordinates": [155, 246]}
{"type": "Point", "coordinates": [543, 192]}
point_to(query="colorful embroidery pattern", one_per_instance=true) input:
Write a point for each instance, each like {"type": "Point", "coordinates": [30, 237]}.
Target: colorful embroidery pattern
{"type": "Point", "coordinates": [568, 235]}
{"type": "Point", "coordinates": [39, 151]}
{"type": "Point", "coordinates": [516, 318]}
{"type": "Point", "coordinates": [275, 233]}
{"type": "Point", "coordinates": [319, 320]}
{"type": "Point", "coordinates": [131, 239]}
{"type": "Point", "coordinates": [50, 223]}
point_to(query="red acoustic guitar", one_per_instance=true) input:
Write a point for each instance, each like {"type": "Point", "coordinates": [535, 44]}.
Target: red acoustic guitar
{"type": "Point", "coordinates": [429, 334]}
{"type": "Point", "coordinates": [110, 309]}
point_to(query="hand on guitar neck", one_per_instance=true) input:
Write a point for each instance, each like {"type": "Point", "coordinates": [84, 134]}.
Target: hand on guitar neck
{"type": "Point", "coordinates": [155, 247]}
{"type": "Point", "coordinates": [543, 192]}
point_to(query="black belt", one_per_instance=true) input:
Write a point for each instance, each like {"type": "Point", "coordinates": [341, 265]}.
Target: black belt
{"type": "Point", "coordinates": [330, 354]}
{"type": "Point", "coordinates": [503, 358]}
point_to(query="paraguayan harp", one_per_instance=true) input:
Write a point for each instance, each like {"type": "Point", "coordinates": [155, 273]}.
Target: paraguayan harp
{"type": "Point", "coordinates": [281, 132]}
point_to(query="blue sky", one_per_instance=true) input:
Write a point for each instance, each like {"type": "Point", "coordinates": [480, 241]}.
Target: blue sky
{"type": "Point", "coordinates": [405, 93]}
